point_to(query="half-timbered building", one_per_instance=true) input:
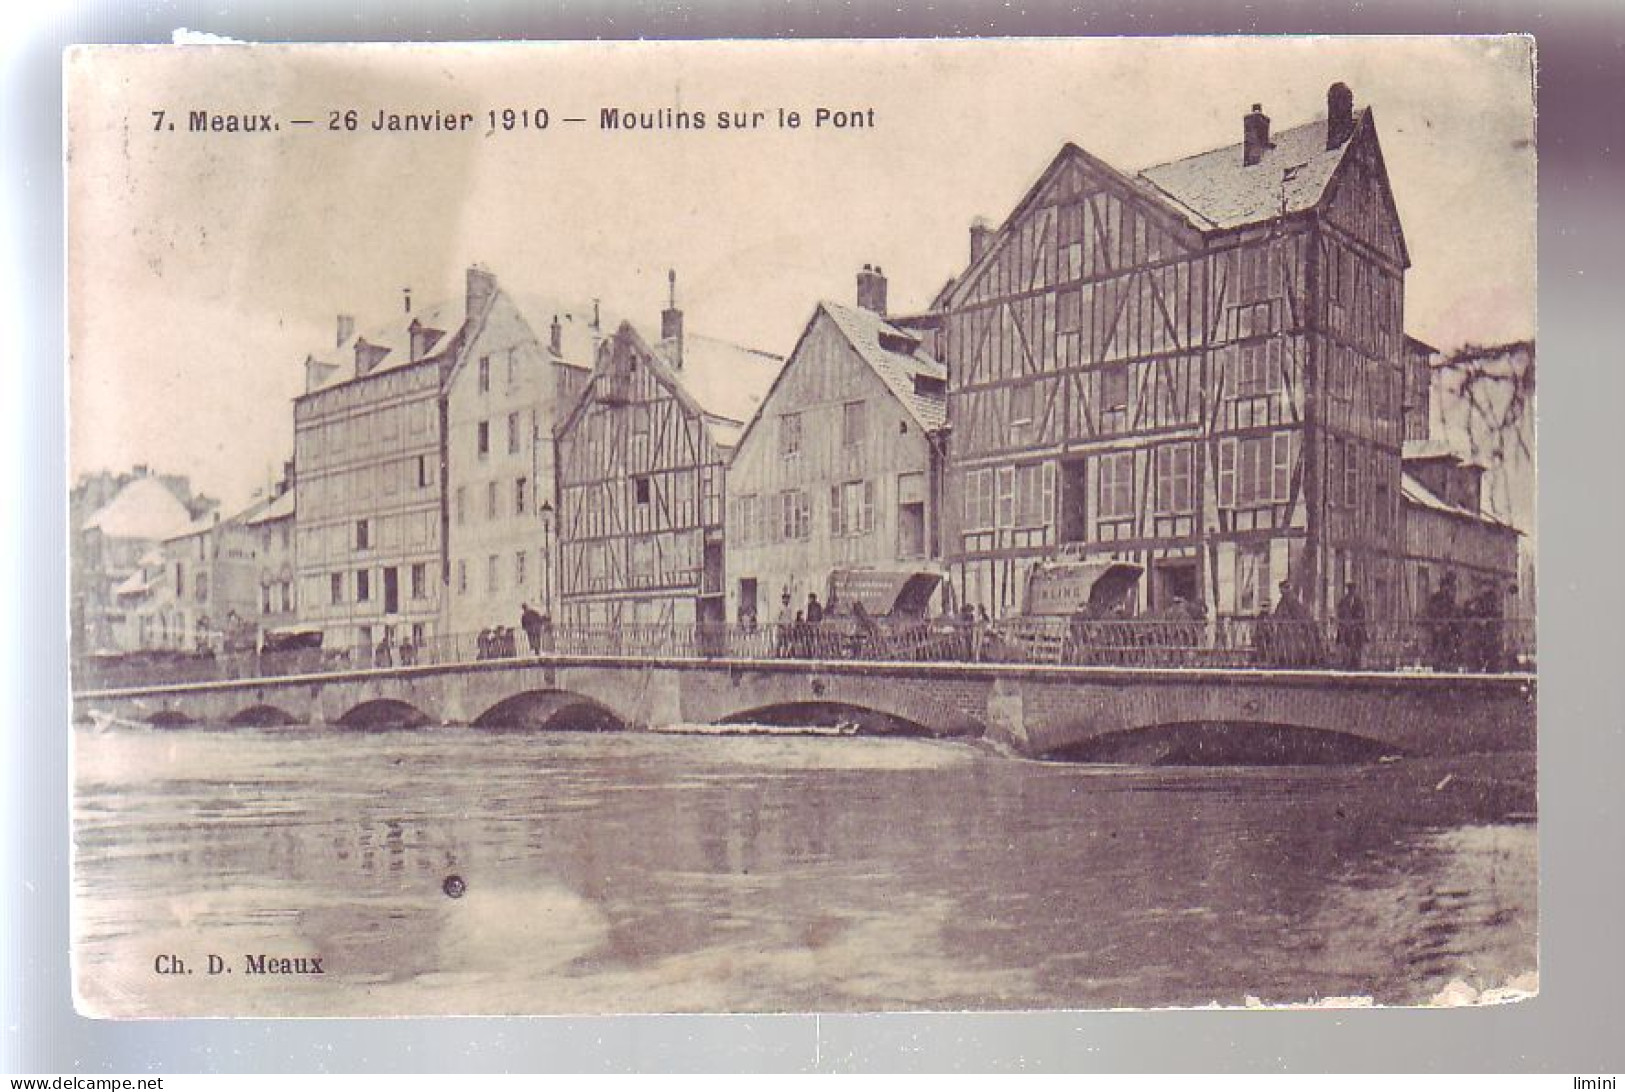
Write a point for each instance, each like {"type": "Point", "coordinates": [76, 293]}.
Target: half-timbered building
{"type": "Point", "coordinates": [839, 468]}
{"type": "Point", "coordinates": [642, 462]}
{"type": "Point", "coordinates": [1198, 368]}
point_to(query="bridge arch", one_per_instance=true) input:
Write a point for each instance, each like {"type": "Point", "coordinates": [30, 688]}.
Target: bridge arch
{"type": "Point", "coordinates": [551, 709]}
{"type": "Point", "coordinates": [384, 713]}
{"type": "Point", "coordinates": [262, 716]}
{"type": "Point", "coordinates": [1223, 743]}
{"type": "Point", "coordinates": [168, 718]}
{"type": "Point", "coordinates": [862, 719]}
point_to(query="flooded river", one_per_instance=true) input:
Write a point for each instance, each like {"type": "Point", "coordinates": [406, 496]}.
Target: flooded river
{"type": "Point", "coordinates": [658, 873]}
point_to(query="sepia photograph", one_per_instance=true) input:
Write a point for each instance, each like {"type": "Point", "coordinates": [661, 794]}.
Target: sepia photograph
{"type": "Point", "coordinates": [802, 526]}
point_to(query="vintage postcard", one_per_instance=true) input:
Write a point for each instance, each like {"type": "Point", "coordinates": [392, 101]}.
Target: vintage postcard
{"type": "Point", "coordinates": [802, 526]}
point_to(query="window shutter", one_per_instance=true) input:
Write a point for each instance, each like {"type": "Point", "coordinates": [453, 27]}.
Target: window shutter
{"type": "Point", "coordinates": [868, 505]}
{"type": "Point", "coordinates": [1282, 483]}
{"type": "Point", "coordinates": [1227, 472]}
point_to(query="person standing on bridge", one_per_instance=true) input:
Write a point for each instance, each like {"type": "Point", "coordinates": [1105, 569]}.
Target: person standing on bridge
{"type": "Point", "coordinates": [1351, 633]}
{"type": "Point", "coordinates": [530, 620]}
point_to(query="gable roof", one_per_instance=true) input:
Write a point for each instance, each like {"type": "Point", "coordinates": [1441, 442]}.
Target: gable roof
{"type": "Point", "coordinates": [865, 331]}
{"type": "Point", "coordinates": [1220, 191]}
{"type": "Point", "coordinates": [144, 509]}
{"type": "Point", "coordinates": [862, 330]}
{"type": "Point", "coordinates": [719, 382]}
{"type": "Point", "coordinates": [1414, 492]}
{"type": "Point", "coordinates": [279, 507]}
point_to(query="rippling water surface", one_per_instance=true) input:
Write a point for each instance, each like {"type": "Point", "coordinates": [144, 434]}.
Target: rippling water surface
{"type": "Point", "coordinates": [646, 873]}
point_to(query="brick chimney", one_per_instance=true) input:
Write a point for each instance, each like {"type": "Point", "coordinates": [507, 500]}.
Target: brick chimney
{"type": "Point", "coordinates": [981, 234]}
{"type": "Point", "coordinates": [346, 329]}
{"type": "Point", "coordinates": [671, 320]}
{"type": "Point", "coordinates": [1339, 114]}
{"type": "Point", "coordinates": [481, 286]}
{"type": "Point", "coordinates": [1255, 136]}
{"type": "Point", "coordinates": [872, 289]}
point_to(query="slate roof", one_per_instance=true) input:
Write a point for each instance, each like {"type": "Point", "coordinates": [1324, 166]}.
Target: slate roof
{"type": "Point", "coordinates": [1216, 189]}
{"type": "Point", "coordinates": [864, 330]}
{"type": "Point", "coordinates": [280, 508]}
{"type": "Point", "coordinates": [144, 509]}
{"type": "Point", "coordinates": [726, 381]}
{"type": "Point", "coordinates": [1420, 495]}
{"type": "Point", "coordinates": [578, 337]}
{"type": "Point", "coordinates": [395, 335]}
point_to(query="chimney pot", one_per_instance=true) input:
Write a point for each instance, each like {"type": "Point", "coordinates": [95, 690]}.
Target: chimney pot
{"type": "Point", "coordinates": [555, 337]}
{"type": "Point", "coordinates": [872, 289]}
{"type": "Point", "coordinates": [406, 300]}
{"type": "Point", "coordinates": [671, 320]}
{"type": "Point", "coordinates": [1255, 136]}
{"type": "Point", "coordinates": [1339, 114]}
{"type": "Point", "coordinates": [981, 234]}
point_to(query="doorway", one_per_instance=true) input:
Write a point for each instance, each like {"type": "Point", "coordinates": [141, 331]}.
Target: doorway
{"type": "Point", "coordinates": [1172, 580]}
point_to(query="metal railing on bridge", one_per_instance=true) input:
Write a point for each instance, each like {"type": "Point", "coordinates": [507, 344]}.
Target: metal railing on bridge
{"type": "Point", "coordinates": [1436, 645]}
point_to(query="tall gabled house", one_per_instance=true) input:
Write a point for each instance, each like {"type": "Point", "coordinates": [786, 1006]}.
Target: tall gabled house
{"type": "Point", "coordinates": [1198, 368]}
{"type": "Point", "coordinates": [642, 461]}
{"type": "Point", "coordinates": [839, 469]}
{"type": "Point", "coordinates": [521, 367]}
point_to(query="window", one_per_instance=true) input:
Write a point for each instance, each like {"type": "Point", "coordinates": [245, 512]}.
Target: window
{"type": "Point", "coordinates": [978, 499]}
{"type": "Point", "coordinates": [519, 569]}
{"type": "Point", "coordinates": [1255, 471]}
{"type": "Point", "coordinates": [1114, 396]}
{"type": "Point", "coordinates": [1174, 478]}
{"type": "Point", "coordinates": [462, 577]}
{"type": "Point", "coordinates": [1035, 494]}
{"type": "Point", "coordinates": [852, 423]}
{"type": "Point", "coordinates": [520, 486]}
{"type": "Point", "coordinates": [1021, 402]}
{"type": "Point", "coordinates": [911, 515]}
{"type": "Point", "coordinates": [265, 599]}
{"type": "Point", "coordinates": [513, 434]}
{"type": "Point", "coordinates": [417, 634]}
{"type": "Point", "coordinates": [485, 374]}
{"type": "Point", "coordinates": [513, 367]}
{"type": "Point", "coordinates": [483, 444]}
{"type": "Point", "coordinates": [201, 587]}
{"type": "Point", "coordinates": [743, 530]}
{"type": "Point", "coordinates": [795, 514]}
{"type": "Point", "coordinates": [1351, 477]}
{"type": "Point", "coordinates": [419, 579]}
{"type": "Point", "coordinates": [363, 585]}
{"type": "Point", "coordinates": [852, 508]}
{"type": "Point", "coordinates": [490, 500]}
{"type": "Point", "coordinates": [1116, 485]}
{"type": "Point", "coordinates": [1255, 273]}
{"type": "Point", "coordinates": [337, 589]}
{"type": "Point", "coordinates": [1258, 367]}
{"type": "Point", "coordinates": [363, 534]}
{"type": "Point", "coordinates": [423, 471]}
{"type": "Point", "coordinates": [1252, 577]}
{"type": "Point", "coordinates": [492, 577]}
{"type": "Point", "coordinates": [789, 435]}
{"type": "Point", "coordinates": [640, 489]}
{"type": "Point", "coordinates": [462, 505]}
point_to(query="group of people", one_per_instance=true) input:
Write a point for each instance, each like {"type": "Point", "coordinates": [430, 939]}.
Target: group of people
{"type": "Point", "coordinates": [1465, 635]}
{"type": "Point", "coordinates": [387, 654]}
{"type": "Point", "coordinates": [499, 642]}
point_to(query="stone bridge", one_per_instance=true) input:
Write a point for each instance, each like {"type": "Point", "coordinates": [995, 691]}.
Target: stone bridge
{"type": "Point", "coordinates": [1088, 712]}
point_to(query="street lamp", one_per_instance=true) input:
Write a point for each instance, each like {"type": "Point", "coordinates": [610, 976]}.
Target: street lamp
{"type": "Point", "coordinates": [546, 512]}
